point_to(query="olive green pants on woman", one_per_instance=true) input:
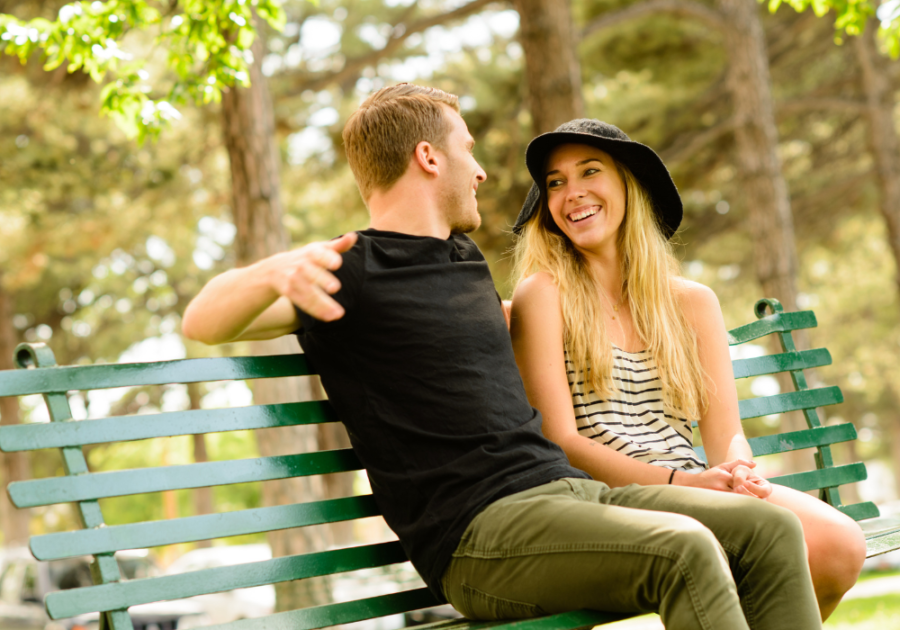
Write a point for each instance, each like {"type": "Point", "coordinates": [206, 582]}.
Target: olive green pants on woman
{"type": "Point", "coordinates": [701, 559]}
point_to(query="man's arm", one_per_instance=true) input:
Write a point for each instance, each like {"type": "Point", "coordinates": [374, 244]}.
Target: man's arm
{"type": "Point", "coordinates": [257, 302]}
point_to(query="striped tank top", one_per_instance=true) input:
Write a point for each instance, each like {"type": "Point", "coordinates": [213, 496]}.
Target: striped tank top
{"type": "Point", "coordinates": [633, 421]}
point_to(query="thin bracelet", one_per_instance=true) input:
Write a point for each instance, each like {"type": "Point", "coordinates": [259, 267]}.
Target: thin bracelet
{"type": "Point", "coordinates": [671, 476]}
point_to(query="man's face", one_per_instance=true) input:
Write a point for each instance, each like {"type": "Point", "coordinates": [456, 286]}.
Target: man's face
{"type": "Point", "coordinates": [460, 176]}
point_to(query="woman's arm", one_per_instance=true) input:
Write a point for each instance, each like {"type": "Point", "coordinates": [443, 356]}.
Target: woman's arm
{"type": "Point", "coordinates": [537, 337]}
{"type": "Point", "coordinates": [720, 423]}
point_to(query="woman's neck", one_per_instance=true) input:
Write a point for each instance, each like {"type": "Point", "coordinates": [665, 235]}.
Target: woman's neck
{"type": "Point", "coordinates": [606, 271]}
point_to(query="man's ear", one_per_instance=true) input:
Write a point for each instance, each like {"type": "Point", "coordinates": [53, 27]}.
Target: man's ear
{"type": "Point", "coordinates": [426, 158]}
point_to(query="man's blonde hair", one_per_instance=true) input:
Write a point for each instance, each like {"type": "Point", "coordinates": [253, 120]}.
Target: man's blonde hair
{"type": "Point", "coordinates": [381, 136]}
{"type": "Point", "coordinates": [651, 286]}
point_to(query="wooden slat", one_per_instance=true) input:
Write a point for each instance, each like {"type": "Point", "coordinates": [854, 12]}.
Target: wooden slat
{"type": "Point", "coordinates": [139, 481]}
{"type": "Point", "coordinates": [792, 401]}
{"type": "Point", "coordinates": [824, 478]}
{"type": "Point", "coordinates": [797, 440]}
{"type": "Point", "coordinates": [89, 377]}
{"type": "Point", "coordinates": [861, 511]}
{"type": "Point", "coordinates": [875, 527]}
{"type": "Point", "coordinates": [776, 363]}
{"type": "Point", "coordinates": [781, 322]}
{"type": "Point", "coordinates": [333, 614]}
{"type": "Point", "coordinates": [336, 614]}
{"type": "Point", "coordinates": [574, 620]}
{"type": "Point", "coordinates": [79, 601]}
{"type": "Point", "coordinates": [25, 437]}
{"type": "Point", "coordinates": [194, 528]}
{"type": "Point", "coordinates": [883, 544]}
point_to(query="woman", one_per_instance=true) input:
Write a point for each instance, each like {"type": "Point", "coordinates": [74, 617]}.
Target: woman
{"type": "Point", "coordinates": [620, 353]}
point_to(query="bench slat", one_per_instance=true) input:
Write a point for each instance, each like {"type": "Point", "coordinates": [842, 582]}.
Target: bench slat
{"type": "Point", "coordinates": [823, 478]}
{"type": "Point", "coordinates": [807, 438]}
{"type": "Point", "coordinates": [574, 620]}
{"type": "Point", "coordinates": [142, 480]}
{"type": "Point", "coordinates": [336, 614]}
{"type": "Point", "coordinates": [105, 376]}
{"type": "Point", "coordinates": [77, 601]}
{"type": "Point", "coordinates": [193, 528]}
{"type": "Point", "coordinates": [882, 544]}
{"type": "Point", "coordinates": [873, 528]}
{"type": "Point", "coordinates": [25, 437]}
{"type": "Point", "coordinates": [796, 440]}
{"type": "Point", "coordinates": [861, 511]}
{"type": "Point", "coordinates": [792, 401]}
{"type": "Point", "coordinates": [785, 362]}
{"type": "Point", "coordinates": [780, 322]}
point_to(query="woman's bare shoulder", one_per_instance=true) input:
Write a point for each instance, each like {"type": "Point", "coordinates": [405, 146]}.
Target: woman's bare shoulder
{"type": "Point", "coordinates": [538, 286]}
{"type": "Point", "coordinates": [698, 302]}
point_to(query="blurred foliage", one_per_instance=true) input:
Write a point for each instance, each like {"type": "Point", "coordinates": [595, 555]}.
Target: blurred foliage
{"type": "Point", "coordinates": [105, 241]}
{"type": "Point", "coordinates": [207, 44]}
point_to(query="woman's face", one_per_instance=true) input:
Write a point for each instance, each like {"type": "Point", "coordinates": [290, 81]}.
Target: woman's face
{"type": "Point", "coordinates": [586, 195]}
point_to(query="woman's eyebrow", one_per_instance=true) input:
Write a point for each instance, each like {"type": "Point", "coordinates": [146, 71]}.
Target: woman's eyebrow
{"type": "Point", "coordinates": [581, 163]}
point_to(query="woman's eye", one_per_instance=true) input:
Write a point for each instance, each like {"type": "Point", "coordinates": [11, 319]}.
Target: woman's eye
{"type": "Point", "coordinates": [554, 183]}
{"type": "Point", "coordinates": [591, 171]}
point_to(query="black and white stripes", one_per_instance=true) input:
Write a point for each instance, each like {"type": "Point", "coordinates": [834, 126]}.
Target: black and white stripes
{"type": "Point", "coordinates": [633, 421]}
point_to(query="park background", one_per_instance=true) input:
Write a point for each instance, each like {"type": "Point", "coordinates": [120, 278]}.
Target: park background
{"type": "Point", "coordinates": [779, 127]}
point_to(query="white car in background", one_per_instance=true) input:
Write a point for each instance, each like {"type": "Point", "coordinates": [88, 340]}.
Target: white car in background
{"type": "Point", "coordinates": [260, 600]}
{"type": "Point", "coordinates": [229, 606]}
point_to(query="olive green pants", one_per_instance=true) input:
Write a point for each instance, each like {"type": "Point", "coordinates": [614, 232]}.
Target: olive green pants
{"type": "Point", "coordinates": [701, 559]}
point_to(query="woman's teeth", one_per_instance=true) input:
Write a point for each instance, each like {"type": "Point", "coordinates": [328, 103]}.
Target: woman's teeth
{"type": "Point", "coordinates": [578, 216]}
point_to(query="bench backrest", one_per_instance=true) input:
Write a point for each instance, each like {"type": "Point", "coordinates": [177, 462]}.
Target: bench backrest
{"type": "Point", "coordinates": [85, 489]}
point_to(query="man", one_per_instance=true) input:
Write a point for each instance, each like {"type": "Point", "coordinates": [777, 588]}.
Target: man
{"type": "Point", "coordinates": [404, 325]}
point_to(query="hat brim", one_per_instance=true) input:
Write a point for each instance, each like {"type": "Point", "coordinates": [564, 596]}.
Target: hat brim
{"type": "Point", "coordinates": [640, 159]}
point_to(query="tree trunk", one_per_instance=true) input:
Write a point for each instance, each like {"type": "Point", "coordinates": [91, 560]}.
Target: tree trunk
{"type": "Point", "coordinates": [883, 141]}
{"type": "Point", "coordinates": [883, 144]}
{"type": "Point", "coordinates": [552, 69]}
{"type": "Point", "coordinates": [248, 127]}
{"type": "Point", "coordinates": [15, 467]}
{"type": "Point", "coordinates": [763, 187]}
{"type": "Point", "coordinates": [203, 497]}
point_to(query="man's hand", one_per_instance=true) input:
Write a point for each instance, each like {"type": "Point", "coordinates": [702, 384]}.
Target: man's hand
{"type": "Point", "coordinates": [304, 276]}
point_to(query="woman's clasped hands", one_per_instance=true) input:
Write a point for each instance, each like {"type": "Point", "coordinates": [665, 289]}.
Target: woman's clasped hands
{"type": "Point", "coordinates": [735, 476]}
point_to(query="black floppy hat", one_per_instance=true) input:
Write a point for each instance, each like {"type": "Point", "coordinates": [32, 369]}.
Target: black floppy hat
{"type": "Point", "coordinates": [640, 159]}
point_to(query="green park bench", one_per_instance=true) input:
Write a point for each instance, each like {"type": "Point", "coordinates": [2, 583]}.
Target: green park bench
{"type": "Point", "coordinates": [112, 597]}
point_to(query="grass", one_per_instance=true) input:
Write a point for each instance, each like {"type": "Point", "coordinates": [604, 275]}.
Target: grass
{"type": "Point", "coordinates": [876, 613]}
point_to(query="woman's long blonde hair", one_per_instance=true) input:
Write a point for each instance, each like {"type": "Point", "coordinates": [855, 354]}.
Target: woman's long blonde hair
{"type": "Point", "coordinates": [648, 268]}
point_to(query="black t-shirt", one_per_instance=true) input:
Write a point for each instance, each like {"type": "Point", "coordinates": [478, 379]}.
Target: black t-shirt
{"type": "Point", "coordinates": [421, 371]}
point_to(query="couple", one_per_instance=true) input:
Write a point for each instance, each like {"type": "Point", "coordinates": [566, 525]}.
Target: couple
{"type": "Point", "coordinates": [578, 489]}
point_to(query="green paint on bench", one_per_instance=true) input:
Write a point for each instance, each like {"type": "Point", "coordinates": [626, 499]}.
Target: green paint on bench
{"type": "Point", "coordinates": [796, 440]}
{"type": "Point", "coordinates": [780, 322]}
{"type": "Point", "coordinates": [85, 488]}
{"type": "Point", "coordinates": [62, 604]}
{"type": "Point", "coordinates": [334, 614]}
{"type": "Point", "coordinates": [195, 528]}
{"type": "Point", "coordinates": [106, 376]}
{"type": "Point", "coordinates": [791, 401]}
{"type": "Point", "coordinates": [24, 437]}
{"type": "Point", "coordinates": [139, 481]}
{"type": "Point", "coordinates": [775, 363]}
{"type": "Point", "coordinates": [824, 478]}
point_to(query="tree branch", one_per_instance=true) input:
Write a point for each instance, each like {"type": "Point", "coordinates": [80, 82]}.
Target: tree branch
{"type": "Point", "coordinates": [799, 105]}
{"type": "Point", "coordinates": [320, 80]}
{"type": "Point", "coordinates": [681, 8]}
{"type": "Point", "coordinates": [681, 151]}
